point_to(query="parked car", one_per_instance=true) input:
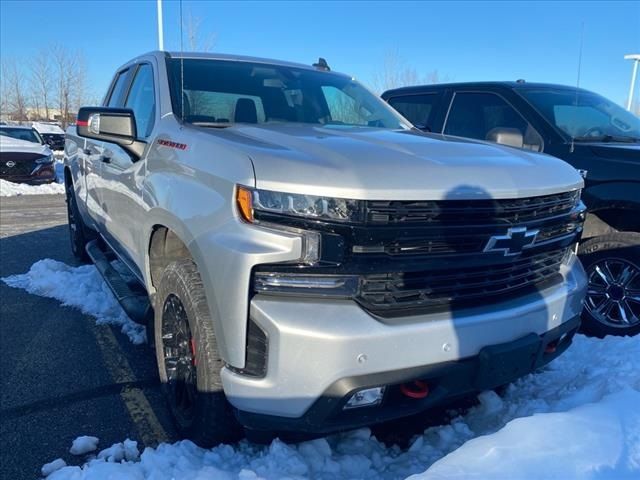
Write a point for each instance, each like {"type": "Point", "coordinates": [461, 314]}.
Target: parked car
{"type": "Point", "coordinates": [586, 130]}
{"type": "Point", "coordinates": [305, 260]}
{"type": "Point", "coordinates": [19, 132]}
{"type": "Point", "coordinates": [51, 133]}
{"type": "Point", "coordinates": [25, 162]}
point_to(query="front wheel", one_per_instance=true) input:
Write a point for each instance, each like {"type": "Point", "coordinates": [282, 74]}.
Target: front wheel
{"type": "Point", "coordinates": [78, 231]}
{"type": "Point", "coordinates": [612, 305]}
{"type": "Point", "coordinates": [188, 360]}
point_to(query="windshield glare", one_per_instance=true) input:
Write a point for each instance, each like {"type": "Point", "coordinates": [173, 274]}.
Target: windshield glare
{"type": "Point", "coordinates": [28, 135]}
{"type": "Point", "coordinates": [593, 116]}
{"type": "Point", "coordinates": [220, 92]}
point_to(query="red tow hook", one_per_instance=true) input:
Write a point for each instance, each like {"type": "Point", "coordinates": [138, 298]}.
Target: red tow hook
{"type": "Point", "coordinates": [551, 347]}
{"type": "Point", "coordinates": [192, 344]}
{"type": "Point", "coordinates": [416, 389]}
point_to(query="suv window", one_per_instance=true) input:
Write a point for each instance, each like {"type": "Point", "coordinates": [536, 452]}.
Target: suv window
{"type": "Point", "coordinates": [479, 115]}
{"type": "Point", "coordinates": [118, 89]}
{"type": "Point", "coordinates": [141, 100]}
{"type": "Point", "coordinates": [416, 108]}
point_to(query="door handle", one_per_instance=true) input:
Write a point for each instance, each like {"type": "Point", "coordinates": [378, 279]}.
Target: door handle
{"type": "Point", "coordinates": [105, 159]}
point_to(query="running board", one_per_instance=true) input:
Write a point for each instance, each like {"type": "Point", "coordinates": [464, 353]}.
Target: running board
{"type": "Point", "coordinates": [135, 304]}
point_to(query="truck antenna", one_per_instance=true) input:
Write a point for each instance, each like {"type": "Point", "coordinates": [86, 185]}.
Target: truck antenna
{"type": "Point", "coordinates": [573, 138]}
{"type": "Point", "coordinates": [181, 68]}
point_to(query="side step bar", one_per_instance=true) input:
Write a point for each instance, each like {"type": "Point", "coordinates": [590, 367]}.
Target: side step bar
{"type": "Point", "coordinates": [134, 301]}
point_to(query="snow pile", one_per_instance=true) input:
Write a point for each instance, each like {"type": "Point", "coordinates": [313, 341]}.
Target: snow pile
{"type": "Point", "coordinates": [81, 287]}
{"type": "Point", "coordinates": [10, 189]}
{"type": "Point", "coordinates": [83, 444]}
{"type": "Point", "coordinates": [576, 419]}
{"type": "Point", "coordinates": [49, 468]}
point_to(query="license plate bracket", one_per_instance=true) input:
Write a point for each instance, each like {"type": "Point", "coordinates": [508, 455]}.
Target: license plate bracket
{"type": "Point", "coordinates": [504, 363]}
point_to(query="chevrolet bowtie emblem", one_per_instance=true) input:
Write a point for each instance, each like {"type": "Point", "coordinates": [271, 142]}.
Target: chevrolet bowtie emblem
{"type": "Point", "coordinates": [514, 242]}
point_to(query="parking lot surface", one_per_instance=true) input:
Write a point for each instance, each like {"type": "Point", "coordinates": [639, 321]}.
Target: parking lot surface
{"type": "Point", "coordinates": [61, 374]}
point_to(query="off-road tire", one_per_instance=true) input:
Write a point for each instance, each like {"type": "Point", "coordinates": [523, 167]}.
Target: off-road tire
{"type": "Point", "coordinates": [620, 247]}
{"type": "Point", "coordinates": [211, 421]}
{"type": "Point", "coordinates": [79, 233]}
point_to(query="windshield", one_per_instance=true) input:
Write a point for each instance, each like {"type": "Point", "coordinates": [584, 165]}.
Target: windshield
{"type": "Point", "coordinates": [593, 117]}
{"type": "Point", "coordinates": [26, 134]}
{"type": "Point", "coordinates": [219, 93]}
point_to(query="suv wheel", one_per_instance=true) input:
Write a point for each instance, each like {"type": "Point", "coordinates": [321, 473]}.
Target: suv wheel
{"type": "Point", "coordinates": [612, 305]}
{"type": "Point", "coordinates": [188, 360]}
{"type": "Point", "coordinates": [79, 234]}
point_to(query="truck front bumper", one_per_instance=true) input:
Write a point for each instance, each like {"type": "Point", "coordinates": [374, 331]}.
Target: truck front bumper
{"type": "Point", "coordinates": [321, 352]}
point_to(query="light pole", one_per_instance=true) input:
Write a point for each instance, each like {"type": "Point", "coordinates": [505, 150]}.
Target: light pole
{"type": "Point", "coordinates": [160, 33]}
{"type": "Point", "coordinates": [636, 60]}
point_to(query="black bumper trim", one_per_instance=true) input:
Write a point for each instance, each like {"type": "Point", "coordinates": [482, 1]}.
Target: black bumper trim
{"type": "Point", "coordinates": [494, 366]}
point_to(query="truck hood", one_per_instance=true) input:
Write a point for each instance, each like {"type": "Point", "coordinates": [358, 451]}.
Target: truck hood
{"type": "Point", "coordinates": [376, 164]}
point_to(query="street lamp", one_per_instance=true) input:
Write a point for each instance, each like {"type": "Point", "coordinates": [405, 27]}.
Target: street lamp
{"type": "Point", "coordinates": [636, 59]}
{"type": "Point", "coordinates": [160, 32]}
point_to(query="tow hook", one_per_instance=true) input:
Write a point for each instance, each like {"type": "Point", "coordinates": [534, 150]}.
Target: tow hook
{"type": "Point", "coordinates": [416, 389]}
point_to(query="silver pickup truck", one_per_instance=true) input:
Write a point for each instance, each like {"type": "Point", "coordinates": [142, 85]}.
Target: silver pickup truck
{"type": "Point", "coordinates": [304, 259]}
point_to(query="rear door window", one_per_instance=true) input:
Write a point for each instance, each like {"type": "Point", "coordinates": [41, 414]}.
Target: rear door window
{"type": "Point", "coordinates": [418, 109]}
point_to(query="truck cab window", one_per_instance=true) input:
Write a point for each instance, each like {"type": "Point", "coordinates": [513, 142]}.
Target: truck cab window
{"type": "Point", "coordinates": [115, 99]}
{"type": "Point", "coordinates": [416, 108]}
{"type": "Point", "coordinates": [486, 116]}
{"type": "Point", "coordinates": [141, 100]}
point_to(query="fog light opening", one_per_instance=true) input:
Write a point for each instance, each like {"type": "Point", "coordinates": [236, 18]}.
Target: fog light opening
{"type": "Point", "coordinates": [365, 398]}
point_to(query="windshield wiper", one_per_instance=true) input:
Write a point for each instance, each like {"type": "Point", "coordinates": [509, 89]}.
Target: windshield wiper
{"type": "Point", "coordinates": [213, 124]}
{"type": "Point", "coordinates": [608, 139]}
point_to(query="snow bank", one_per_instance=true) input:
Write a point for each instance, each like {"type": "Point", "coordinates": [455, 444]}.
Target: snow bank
{"type": "Point", "coordinates": [577, 419]}
{"type": "Point", "coordinates": [10, 189]}
{"type": "Point", "coordinates": [81, 287]}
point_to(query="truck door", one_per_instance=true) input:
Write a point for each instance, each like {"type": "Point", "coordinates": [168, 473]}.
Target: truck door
{"type": "Point", "coordinates": [92, 154]}
{"type": "Point", "coordinates": [122, 176]}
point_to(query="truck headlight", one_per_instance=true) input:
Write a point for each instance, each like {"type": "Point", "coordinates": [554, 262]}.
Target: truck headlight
{"type": "Point", "coordinates": [251, 202]}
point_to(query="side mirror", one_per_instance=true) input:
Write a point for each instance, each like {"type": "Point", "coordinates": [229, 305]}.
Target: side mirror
{"type": "Point", "coordinates": [113, 125]}
{"type": "Point", "coordinates": [506, 136]}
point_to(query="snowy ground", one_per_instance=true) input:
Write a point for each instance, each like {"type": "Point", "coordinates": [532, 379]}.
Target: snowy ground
{"type": "Point", "coordinates": [579, 418]}
{"type": "Point", "coordinates": [10, 189]}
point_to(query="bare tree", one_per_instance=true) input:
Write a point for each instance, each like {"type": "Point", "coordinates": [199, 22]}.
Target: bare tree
{"type": "Point", "coordinates": [70, 82]}
{"type": "Point", "coordinates": [14, 95]}
{"type": "Point", "coordinates": [41, 82]}
{"type": "Point", "coordinates": [395, 72]}
{"type": "Point", "coordinates": [195, 41]}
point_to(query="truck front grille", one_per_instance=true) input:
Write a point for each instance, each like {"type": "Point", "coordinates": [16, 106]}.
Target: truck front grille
{"type": "Point", "coordinates": [470, 212]}
{"type": "Point", "coordinates": [394, 294]}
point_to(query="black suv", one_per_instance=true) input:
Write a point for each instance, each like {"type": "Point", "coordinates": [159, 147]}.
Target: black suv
{"type": "Point", "coordinates": [586, 130]}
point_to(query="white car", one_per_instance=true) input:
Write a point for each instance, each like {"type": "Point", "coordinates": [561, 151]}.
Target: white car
{"type": "Point", "coordinates": [51, 133]}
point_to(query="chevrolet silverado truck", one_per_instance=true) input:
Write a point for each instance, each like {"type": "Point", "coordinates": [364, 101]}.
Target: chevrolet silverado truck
{"type": "Point", "coordinates": [304, 259]}
{"type": "Point", "coordinates": [587, 131]}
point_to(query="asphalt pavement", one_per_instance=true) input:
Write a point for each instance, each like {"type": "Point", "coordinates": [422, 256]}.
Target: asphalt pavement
{"type": "Point", "coordinates": [61, 375]}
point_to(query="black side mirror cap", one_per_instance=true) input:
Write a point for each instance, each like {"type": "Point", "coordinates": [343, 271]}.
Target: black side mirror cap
{"type": "Point", "coordinates": [113, 125]}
